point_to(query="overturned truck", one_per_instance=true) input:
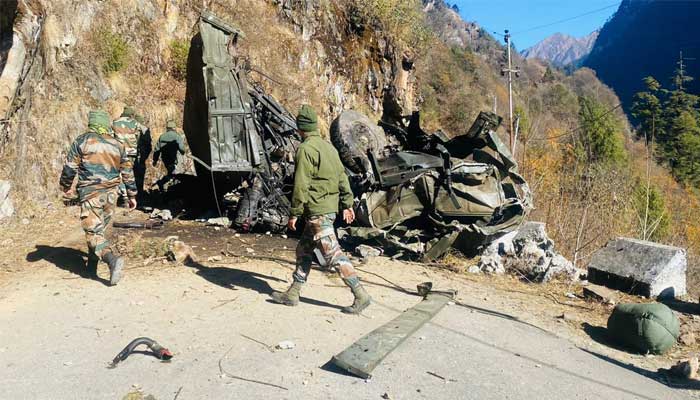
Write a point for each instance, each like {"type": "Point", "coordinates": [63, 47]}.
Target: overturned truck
{"type": "Point", "coordinates": [417, 194]}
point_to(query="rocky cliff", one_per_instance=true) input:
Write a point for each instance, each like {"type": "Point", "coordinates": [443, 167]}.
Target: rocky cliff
{"type": "Point", "coordinates": [68, 57]}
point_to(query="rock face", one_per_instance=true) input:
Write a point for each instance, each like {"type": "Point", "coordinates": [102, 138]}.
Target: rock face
{"type": "Point", "coordinates": [639, 267]}
{"type": "Point", "coordinates": [561, 49]}
{"type": "Point", "coordinates": [529, 252]}
{"type": "Point", "coordinates": [6, 207]}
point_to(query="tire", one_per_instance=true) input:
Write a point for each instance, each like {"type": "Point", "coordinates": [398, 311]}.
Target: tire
{"type": "Point", "coordinates": [353, 134]}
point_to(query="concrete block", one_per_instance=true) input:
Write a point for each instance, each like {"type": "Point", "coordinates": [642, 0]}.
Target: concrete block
{"type": "Point", "coordinates": [640, 267]}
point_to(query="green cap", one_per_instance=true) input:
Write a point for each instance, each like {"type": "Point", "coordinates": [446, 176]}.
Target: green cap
{"type": "Point", "coordinates": [98, 120]}
{"type": "Point", "coordinates": [170, 124]}
{"type": "Point", "coordinates": [128, 112]}
{"type": "Point", "coordinates": [307, 121]}
{"type": "Point", "coordinates": [139, 118]}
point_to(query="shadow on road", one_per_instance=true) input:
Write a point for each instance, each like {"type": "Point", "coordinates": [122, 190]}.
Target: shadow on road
{"type": "Point", "coordinates": [229, 278]}
{"type": "Point", "coordinates": [65, 258]}
{"type": "Point", "coordinates": [657, 376]}
{"type": "Point", "coordinates": [601, 335]}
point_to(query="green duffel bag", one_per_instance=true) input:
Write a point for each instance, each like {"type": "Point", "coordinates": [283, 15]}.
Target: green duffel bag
{"type": "Point", "coordinates": [648, 328]}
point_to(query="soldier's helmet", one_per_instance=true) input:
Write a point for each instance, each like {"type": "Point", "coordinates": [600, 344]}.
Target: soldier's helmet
{"type": "Point", "coordinates": [139, 118]}
{"type": "Point", "coordinates": [170, 124]}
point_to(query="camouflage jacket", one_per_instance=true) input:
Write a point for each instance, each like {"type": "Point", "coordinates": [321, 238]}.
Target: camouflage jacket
{"type": "Point", "coordinates": [100, 162]}
{"type": "Point", "coordinates": [127, 131]}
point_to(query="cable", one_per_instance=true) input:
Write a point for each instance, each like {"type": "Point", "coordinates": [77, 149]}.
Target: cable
{"type": "Point", "coordinates": [577, 128]}
{"type": "Point", "coordinates": [567, 19]}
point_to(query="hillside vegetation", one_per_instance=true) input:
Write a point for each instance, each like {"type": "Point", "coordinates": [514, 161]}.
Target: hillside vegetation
{"type": "Point", "coordinates": [592, 178]}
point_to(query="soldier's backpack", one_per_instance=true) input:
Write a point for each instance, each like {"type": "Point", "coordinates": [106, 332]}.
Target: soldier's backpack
{"type": "Point", "coordinates": [647, 328]}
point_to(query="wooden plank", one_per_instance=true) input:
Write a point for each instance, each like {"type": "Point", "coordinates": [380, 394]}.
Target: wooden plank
{"type": "Point", "coordinates": [364, 355]}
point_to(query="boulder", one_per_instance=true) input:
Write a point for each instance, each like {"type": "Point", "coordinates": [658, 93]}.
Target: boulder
{"type": "Point", "coordinates": [640, 267]}
{"type": "Point", "coordinates": [530, 252]}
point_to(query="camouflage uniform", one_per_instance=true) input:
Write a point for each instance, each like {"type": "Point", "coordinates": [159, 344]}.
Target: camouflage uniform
{"type": "Point", "coordinates": [126, 131]}
{"type": "Point", "coordinates": [101, 165]}
{"type": "Point", "coordinates": [320, 184]}
{"type": "Point", "coordinates": [319, 233]}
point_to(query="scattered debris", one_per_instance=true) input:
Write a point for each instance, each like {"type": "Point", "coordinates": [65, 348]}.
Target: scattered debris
{"type": "Point", "coordinates": [640, 267]}
{"type": "Point", "coordinates": [528, 251]}
{"type": "Point", "coordinates": [222, 222]}
{"type": "Point", "coordinates": [684, 369]}
{"type": "Point", "coordinates": [157, 350]}
{"type": "Point", "coordinates": [365, 354]}
{"type": "Point", "coordinates": [599, 293]}
{"type": "Point", "coordinates": [386, 396]}
{"type": "Point", "coordinates": [165, 215]}
{"type": "Point", "coordinates": [150, 224]}
{"type": "Point", "coordinates": [7, 209]}
{"type": "Point", "coordinates": [446, 380]}
{"type": "Point", "coordinates": [180, 252]}
{"type": "Point", "coordinates": [366, 251]}
{"type": "Point", "coordinates": [285, 345]}
{"type": "Point", "coordinates": [215, 259]}
{"type": "Point", "coordinates": [223, 373]}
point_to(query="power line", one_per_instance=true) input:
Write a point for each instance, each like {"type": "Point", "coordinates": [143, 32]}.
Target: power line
{"type": "Point", "coordinates": [567, 19]}
{"type": "Point", "coordinates": [578, 127]}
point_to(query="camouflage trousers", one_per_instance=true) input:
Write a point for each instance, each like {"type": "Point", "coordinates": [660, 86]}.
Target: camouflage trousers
{"type": "Point", "coordinates": [95, 215]}
{"type": "Point", "coordinates": [319, 234]}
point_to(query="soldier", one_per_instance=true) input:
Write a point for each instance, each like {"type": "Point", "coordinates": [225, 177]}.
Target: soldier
{"type": "Point", "coordinates": [143, 150]}
{"type": "Point", "coordinates": [169, 144]}
{"type": "Point", "coordinates": [101, 164]}
{"type": "Point", "coordinates": [319, 183]}
{"type": "Point", "coordinates": [126, 131]}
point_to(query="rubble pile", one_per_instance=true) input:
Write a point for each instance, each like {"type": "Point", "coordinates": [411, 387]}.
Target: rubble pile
{"type": "Point", "coordinates": [529, 252]}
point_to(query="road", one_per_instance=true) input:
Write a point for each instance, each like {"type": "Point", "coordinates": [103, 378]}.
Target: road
{"type": "Point", "coordinates": [58, 331]}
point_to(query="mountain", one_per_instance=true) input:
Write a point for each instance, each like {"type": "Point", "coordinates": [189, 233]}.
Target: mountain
{"type": "Point", "coordinates": [645, 38]}
{"type": "Point", "coordinates": [561, 49]}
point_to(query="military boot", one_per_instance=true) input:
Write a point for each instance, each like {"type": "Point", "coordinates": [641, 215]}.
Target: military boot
{"type": "Point", "coordinates": [362, 298]}
{"type": "Point", "coordinates": [116, 267]}
{"type": "Point", "coordinates": [91, 265]}
{"type": "Point", "coordinates": [290, 297]}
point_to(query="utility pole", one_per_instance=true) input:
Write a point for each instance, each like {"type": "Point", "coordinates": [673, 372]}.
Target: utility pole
{"type": "Point", "coordinates": [510, 71]}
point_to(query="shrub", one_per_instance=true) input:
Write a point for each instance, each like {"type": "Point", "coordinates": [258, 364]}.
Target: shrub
{"type": "Point", "coordinates": [179, 51]}
{"type": "Point", "coordinates": [113, 50]}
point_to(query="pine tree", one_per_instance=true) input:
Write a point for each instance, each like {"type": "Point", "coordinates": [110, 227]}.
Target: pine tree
{"type": "Point", "coordinates": [601, 136]}
{"type": "Point", "coordinates": [647, 108]}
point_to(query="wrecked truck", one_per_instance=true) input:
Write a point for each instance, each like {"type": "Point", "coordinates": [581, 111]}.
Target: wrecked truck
{"type": "Point", "coordinates": [417, 194]}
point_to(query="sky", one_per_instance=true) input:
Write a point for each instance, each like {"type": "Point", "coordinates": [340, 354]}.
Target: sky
{"type": "Point", "coordinates": [523, 17]}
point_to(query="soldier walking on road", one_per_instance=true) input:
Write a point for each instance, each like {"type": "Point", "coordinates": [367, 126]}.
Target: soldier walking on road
{"type": "Point", "coordinates": [101, 164]}
{"type": "Point", "coordinates": [126, 131]}
{"type": "Point", "coordinates": [320, 183]}
{"type": "Point", "coordinates": [169, 144]}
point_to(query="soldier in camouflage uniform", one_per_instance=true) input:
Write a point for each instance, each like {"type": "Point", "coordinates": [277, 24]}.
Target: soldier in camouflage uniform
{"type": "Point", "coordinates": [126, 131]}
{"type": "Point", "coordinates": [143, 150]}
{"type": "Point", "coordinates": [320, 182]}
{"type": "Point", "coordinates": [101, 164]}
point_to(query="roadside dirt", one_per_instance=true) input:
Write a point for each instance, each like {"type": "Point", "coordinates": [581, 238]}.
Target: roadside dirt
{"type": "Point", "coordinates": [52, 248]}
